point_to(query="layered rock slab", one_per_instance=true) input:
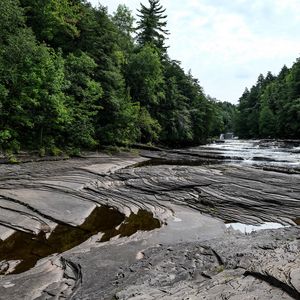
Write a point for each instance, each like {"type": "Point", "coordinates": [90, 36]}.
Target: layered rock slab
{"type": "Point", "coordinates": [177, 261]}
{"type": "Point", "coordinates": [258, 266]}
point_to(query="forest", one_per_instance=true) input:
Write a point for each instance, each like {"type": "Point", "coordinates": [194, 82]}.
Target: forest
{"type": "Point", "coordinates": [271, 108]}
{"type": "Point", "coordinates": [74, 77]}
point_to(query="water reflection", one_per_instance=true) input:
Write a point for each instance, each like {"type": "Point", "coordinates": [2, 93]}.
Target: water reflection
{"type": "Point", "coordinates": [30, 248]}
{"type": "Point", "coordinates": [297, 221]}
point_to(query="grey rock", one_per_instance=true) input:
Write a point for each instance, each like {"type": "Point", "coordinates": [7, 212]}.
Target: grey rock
{"type": "Point", "coordinates": [192, 256]}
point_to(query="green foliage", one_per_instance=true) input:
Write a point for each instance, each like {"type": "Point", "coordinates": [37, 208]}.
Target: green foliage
{"type": "Point", "coordinates": [123, 19]}
{"type": "Point", "coordinates": [271, 107]}
{"type": "Point", "coordinates": [83, 101]}
{"type": "Point", "coordinates": [42, 152]}
{"type": "Point", "coordinates": [74, 152]}
{"type": "Point", "coordinates": [32, 76]}
{"type": "Point", "coordinates": [8, 141]}
{"type": "Point", "coordinates": [72, 77]}
{"type": "Point", "coordinates": [124, 130]}
{"type": "Point", "coordinates": [149, 127]}
{"type": "Point", "coordinates": [12, 159]}
{"type": "Point", "coordinates": [11, 19]}
{"type": "Point", "coordinates": [291, 115]}
{"type": "Point", "coordinates": [175, 113]}
{"type": "Point", "coordinates": [228, 114]}
{"type": "Point", "coordinates": [53, 21]}
{"type": "Point", "coordinates": [116, 121]}
{"type": "Point", "coordinates": [55, 151]}
{"type": "Point", "coordinates": [145, 77]}
{"type": "Point", "coordinates": [267, 125]}
{"type": "Point", "coordinates": [151, 25]}
{"type": "Point", "coordinates": [5, 137]}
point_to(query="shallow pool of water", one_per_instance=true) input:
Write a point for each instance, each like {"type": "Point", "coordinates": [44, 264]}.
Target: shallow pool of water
{"type": "Point", "coordinates": [28, 248]}
{"type": "Point", "coordinates": [245, 228]}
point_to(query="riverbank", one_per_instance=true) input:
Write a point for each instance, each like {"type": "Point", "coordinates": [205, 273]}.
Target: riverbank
{"type": "Point", "coordinates": [190, 254]}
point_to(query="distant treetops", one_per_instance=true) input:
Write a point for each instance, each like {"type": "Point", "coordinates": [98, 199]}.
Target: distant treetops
{"type": "Point", "coordinates": [271, 108]}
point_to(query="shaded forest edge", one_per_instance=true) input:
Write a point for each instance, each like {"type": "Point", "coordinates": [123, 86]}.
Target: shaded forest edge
{"type": "Point", "coordinates": [74, 77]}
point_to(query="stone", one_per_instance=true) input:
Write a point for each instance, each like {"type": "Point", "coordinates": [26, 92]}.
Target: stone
{"type": "Point", "coordinates": [191, 256]}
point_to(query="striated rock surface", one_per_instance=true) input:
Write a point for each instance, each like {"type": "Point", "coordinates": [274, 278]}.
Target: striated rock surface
{"type": "Point", "coordinates": [148, 227]}
{"type": "Point", "coordinates": [259, 266]}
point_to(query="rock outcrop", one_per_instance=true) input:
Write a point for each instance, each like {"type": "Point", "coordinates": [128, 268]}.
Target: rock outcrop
{"type": "Point", "coordinates": [184, 197]}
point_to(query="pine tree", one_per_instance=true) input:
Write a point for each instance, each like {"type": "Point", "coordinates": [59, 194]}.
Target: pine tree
{"type": "Point", "coordinates": [152, 25]}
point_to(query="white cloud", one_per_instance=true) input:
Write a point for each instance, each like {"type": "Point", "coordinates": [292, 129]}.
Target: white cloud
{"type": "Point", "coordinates": [228, 43]}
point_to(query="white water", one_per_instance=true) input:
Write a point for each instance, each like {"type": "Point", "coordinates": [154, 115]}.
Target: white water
{"type": "Point", "coordinates": [255, 152]}
{"type": "Point", "coordinates": [244, 228]}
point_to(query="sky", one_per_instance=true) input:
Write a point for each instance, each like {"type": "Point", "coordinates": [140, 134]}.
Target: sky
{"type": "Point", "coordinates": [227, 43]}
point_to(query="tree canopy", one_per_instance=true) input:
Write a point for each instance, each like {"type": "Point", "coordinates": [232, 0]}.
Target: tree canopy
{"type": "Point", "coordinates": [72, 76]}
{"type": "Point", "coordinates": [271, 108]}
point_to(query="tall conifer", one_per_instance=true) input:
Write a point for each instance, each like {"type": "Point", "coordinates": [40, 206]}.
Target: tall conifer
{"type": "Point", "coordinates": [152, 25]}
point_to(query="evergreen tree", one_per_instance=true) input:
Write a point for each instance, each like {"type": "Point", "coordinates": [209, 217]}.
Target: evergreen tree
{"type": "Point", "coordinates": [72, 76]}
{"type": "Point", "coordinates": [271, 108]}
{"type": "Point", "coordinates": [151, 25]}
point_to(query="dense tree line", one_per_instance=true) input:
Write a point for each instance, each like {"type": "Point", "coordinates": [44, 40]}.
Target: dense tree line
{"type": "Point", "coordinates": [271, 108]}
{"type": "Point", "coordinates": [72, 76]}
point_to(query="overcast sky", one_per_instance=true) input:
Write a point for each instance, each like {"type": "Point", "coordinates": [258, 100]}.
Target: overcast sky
{"type": "Point", "coordinates": [228, 43]}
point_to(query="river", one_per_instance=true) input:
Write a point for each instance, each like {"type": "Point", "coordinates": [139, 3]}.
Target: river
{"type": "Point", "coordinates": [257, 153]}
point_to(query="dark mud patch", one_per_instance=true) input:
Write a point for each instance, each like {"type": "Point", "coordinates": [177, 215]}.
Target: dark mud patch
{"type": "Point", "coordinates": [30, 248]}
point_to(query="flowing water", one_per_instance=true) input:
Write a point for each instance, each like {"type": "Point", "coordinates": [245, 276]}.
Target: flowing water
{"type": "Point", "coordinates": [258, 153]}
{"type": "Point", "coordinates": [267, 154]}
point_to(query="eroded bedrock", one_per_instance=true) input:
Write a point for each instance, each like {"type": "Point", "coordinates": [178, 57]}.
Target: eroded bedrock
{"type": "Point", "coordinates": [21, 250]}
{"type": "Point", "coordinates": [126, 227]}
{"type": "Point", "coordinates": [259, 266]}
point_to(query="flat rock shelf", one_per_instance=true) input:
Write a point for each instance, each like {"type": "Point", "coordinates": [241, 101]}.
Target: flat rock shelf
{"type": "Point", "coordinates": [153, 225]}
